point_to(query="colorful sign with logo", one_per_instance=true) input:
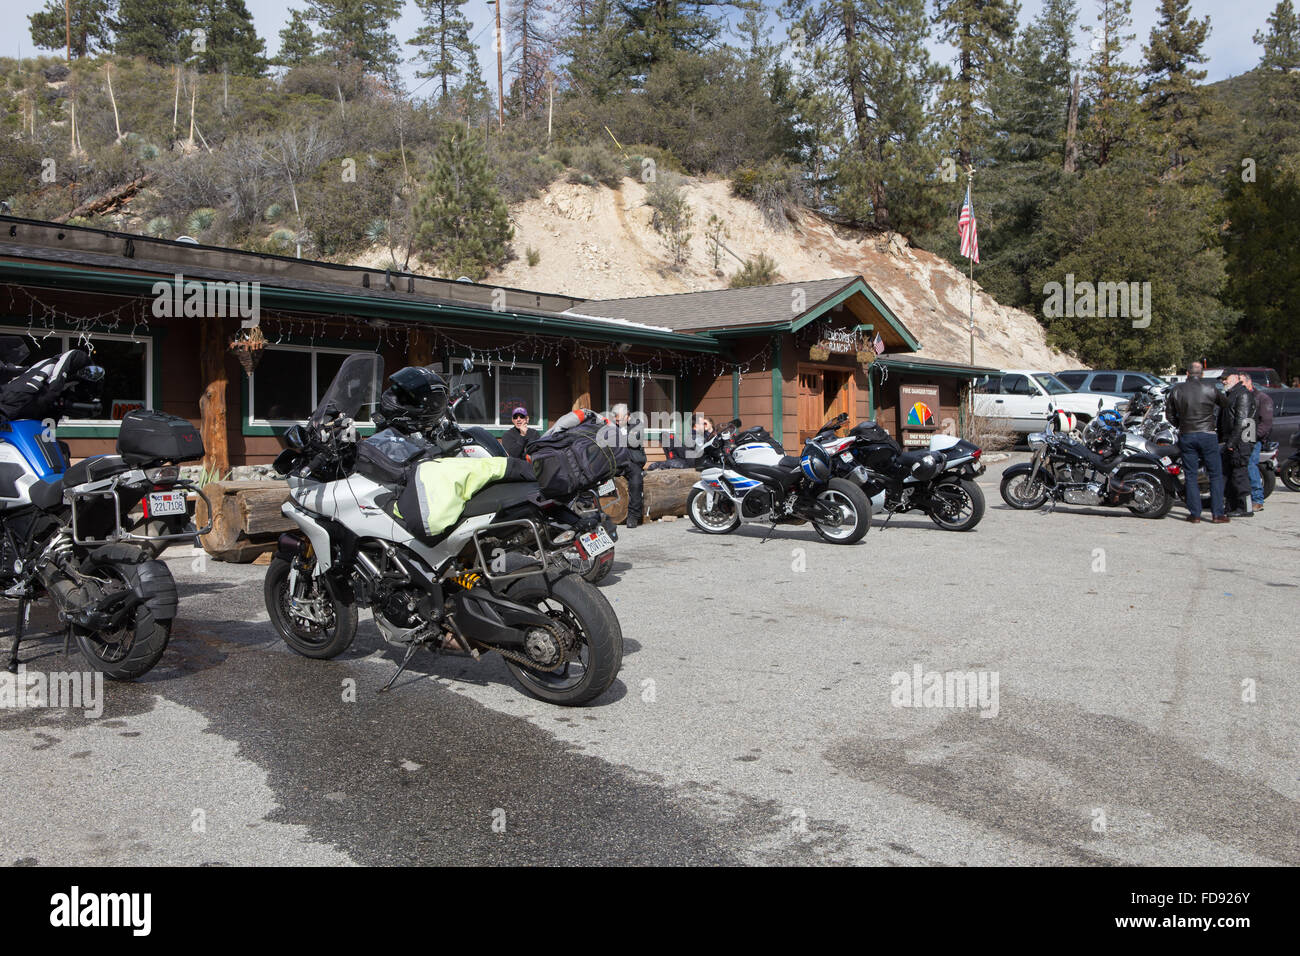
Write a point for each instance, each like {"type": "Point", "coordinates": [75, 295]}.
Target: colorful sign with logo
{"type": "Point", "coordinates": [918, 413]}
{"type": "Point", "coordinates": [121, 406]}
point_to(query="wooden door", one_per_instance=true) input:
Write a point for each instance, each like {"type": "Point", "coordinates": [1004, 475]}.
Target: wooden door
{"type": "Point", "coordinates": [811, 387]}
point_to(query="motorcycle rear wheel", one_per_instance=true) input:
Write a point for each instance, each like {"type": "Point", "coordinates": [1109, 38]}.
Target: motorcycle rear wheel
{"type": "Point", "coordinates": [584, 611]}
{"type": "Point", "coordinates": [969, 492]}
{"type": "Point", "coordinates": [855, 512]}
{"type": "Point", "coordinates": [1291, 474]}
{"type": "Point", "coordinates": [1158, 501]}
{"type": "Point", "coordinates": [139, 643]}
{"type": "Point", "coordinates": [317, 641]}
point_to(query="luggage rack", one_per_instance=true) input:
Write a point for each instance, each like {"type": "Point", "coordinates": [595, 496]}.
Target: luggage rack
{"type": "Point", "coordinates": [537, 561]}
{"type": "Point", "coordinates": [119, 534]}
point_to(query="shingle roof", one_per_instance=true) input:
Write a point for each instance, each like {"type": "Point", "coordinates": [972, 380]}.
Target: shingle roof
{"type": "Point", "coordinates": [687, 311]}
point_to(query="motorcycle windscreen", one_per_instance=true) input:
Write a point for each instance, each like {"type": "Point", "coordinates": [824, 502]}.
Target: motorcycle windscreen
{"type": "Point", "coordinates": [356, 385]}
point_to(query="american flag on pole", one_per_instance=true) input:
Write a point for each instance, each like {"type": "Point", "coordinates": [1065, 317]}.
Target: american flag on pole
{"type": "Point", "coordinates": [966, 228]}
{"type": "Point", "coordinates": [878, 345]}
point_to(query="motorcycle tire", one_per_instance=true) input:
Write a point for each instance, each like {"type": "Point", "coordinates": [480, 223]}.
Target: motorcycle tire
{"type": "Point", "coordinates": [148, 639]}
{"type": "Point", "coordinates": [1018, 479]}
{"type": "Point", "coordinates": [846, 495]}
{"type": "Point", "coordinates": [976, 496]}
{"type": "Point", "coordinates": [333, 640]}
{"type": "Point", "coordinates": [1291, 474]}
{"type": "Point", "coordinates": [573, 602]}
{"type": "Point", "coordinates": [695, 510]}
{"type": "Point", "coordinates": [1269, 479]}
{"type": "Point", "coordinates": [1162, 499]}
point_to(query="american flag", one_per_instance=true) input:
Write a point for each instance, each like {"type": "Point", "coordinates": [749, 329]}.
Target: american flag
{"type": "Point", "coordinates": [878, 345]}
{"type": "Point", "coordinates": [966, 228]}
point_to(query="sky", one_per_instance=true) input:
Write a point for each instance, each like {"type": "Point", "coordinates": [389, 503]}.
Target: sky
{"type": "Point", "coordinates": [1230, 46]}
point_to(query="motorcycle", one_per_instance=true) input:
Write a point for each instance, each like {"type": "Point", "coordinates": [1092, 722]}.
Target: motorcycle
{"type": "Point", "coordinates": [88, 535]}
{"type": "Point", "coordinates": [1290, 471]}
{"type": "Point", "coordinates": [449, 554]}
{"type": "Point", "coordinates": [939, 481]}
{"type": "Point", "coordinates": [749, 478]}
{"type": "Point", "coordinates": [1063, 469]}
{"type": "Point", "coordinates": [592, 551]}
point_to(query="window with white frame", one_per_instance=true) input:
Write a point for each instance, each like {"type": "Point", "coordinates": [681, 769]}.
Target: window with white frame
{"type": "Point", "coordinates": [502, 387]}
{"type": "Point", "coordinates": [127, 362]}
{"type": "Point", "coordinates": [654, 396]}
{"type": "Point", "coordinates": [289, 381]}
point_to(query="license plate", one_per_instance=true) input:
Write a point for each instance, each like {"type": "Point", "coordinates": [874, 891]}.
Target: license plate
{"type": "Point", "coordinates": [594, 544]}
{"type": "Point", "coordinates": [166, 503]}
{"type": "Point", "coordinates": [608, 488]}
{"type": "Point", "coordinates": [846, 457]}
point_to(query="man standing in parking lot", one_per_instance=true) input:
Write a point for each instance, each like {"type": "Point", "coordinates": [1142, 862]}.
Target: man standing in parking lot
{"type": "Point", "coordinates": [1263, 427]}
{"type": "Point", "coordinates": [1237, 428]}
{"type": "Point", "coordinates": [1192, 406]}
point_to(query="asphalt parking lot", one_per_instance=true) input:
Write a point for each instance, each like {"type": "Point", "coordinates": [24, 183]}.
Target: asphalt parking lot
{"type": "Point", "coordinates": [1146, 712]}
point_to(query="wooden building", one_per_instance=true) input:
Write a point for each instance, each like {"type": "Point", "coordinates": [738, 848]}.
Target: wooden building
{"type": "Point", "coordinates": [172, 323]}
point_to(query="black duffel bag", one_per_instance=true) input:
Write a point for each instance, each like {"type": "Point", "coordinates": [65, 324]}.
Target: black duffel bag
{"type": "Point", "coordinates": [572, 460]}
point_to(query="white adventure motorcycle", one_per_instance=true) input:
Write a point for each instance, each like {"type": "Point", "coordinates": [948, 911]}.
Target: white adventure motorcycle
{"type": "Point", "coordinates": [448, 553]}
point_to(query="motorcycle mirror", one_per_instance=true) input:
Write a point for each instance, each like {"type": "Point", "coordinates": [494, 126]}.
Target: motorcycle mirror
{"type": "Point", "coordinates": [467, 365]}
{"type": "Point", "coordinates": [91, 373]}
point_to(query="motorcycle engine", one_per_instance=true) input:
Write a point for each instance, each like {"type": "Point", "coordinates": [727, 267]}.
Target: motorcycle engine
{"type": "Point", "coordinates": [397, 615]}
{"type": "Point", "coordinates": [757, 502]}
{"type": "Point", "coordinates": [1084, 493]}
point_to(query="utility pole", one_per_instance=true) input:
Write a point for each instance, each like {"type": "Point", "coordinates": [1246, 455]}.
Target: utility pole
{"type": "Point", "coordinates": [501, 94]}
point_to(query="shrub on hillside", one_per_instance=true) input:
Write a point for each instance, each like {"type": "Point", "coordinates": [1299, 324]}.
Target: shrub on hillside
{"type": "Point", "coordinates": [760, 270]}
{"type": "Point", "coordinates": [673, 216]}
{"type": "Point", "coordinates": [772, 187]}
{"type": "Point", "coordinates": [596, 164]}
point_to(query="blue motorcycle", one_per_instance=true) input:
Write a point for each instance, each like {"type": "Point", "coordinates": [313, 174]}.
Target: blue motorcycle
{"type": "Point", "coordinates": [87, 536]}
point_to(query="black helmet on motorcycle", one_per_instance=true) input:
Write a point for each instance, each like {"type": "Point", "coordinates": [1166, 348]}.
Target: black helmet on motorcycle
{"type": "Point", "coordinates": [415, 394]}
{"type": "Point", "coordinates": [815, 463]}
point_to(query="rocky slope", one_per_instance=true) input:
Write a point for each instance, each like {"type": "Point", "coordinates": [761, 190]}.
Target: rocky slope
{"type": "Point", "coordinates": [597, 242]}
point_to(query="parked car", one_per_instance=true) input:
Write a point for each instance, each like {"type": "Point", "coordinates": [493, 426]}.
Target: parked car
{"type": "Point", "coordinates": [1261, 376]}
{"type": "Point", "coordinates": [1108, 381]}
{"type": "Point", "coordinates": [1023, 398]}
{"type": "Point", "coordinates": [1286, 418]}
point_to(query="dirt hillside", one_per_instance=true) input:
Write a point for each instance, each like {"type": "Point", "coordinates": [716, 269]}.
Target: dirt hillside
{"type": "Point", "coordinates": [597, 243]}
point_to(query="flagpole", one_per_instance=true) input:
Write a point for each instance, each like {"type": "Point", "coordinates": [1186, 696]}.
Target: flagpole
{"type": "Point", "coordinates": [970, 177]}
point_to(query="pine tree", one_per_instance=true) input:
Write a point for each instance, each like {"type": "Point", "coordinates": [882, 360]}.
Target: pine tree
{"type": "Point", "coordinates": [981, 31]}
{"type": "Point", "coordinates": [1176, 105]}
{"type": "Point", "coordinates": [531, 54]}
{"type": "Point", "coordinates": [443, 43]}
{"type": "Point", "coordinates": [592, 45]}
{"type": "Point", "coordinates": [298, 43]}
{"type": "Point", "coordinates": [1110, 83]}
{"type": "Point", "coordinates": [161, 31]}
{"type": "Point", "coordinates": [871, 61]}
{"type": "Point", "coordinates": [360, 30]}
{"type": "Point", "coordinates": [1282, 41]}
{"type": "Point", "coordinates": [91, 26]}
{"type": "Point", "coordinates": [463, 224]}
{"type": "Point", "coordinates": [231, 43]}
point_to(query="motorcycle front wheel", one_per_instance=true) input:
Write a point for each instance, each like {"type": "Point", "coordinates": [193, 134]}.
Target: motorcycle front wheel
{"type": "Point", "coordinates": [328, 637]}
{"type": "Point", "coordinates": [589, 623]}
{"type": "Point", "coordinates": [1019, 494]}
{"type": "Point", "coordinates": [720, 517]}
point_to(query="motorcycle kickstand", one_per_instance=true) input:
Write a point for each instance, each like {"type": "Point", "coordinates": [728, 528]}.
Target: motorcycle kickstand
{"type": "Point", "coordinates": [12, 666]}
{"type": "Point", "coordinates": [406, 659]}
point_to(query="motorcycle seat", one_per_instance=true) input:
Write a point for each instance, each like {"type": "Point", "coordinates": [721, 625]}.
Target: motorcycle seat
{"type": "Point", "coordinates": [1170, 451]}
{"type": "Point", "coordinates": [93, 469]}
{"type": "Point", "coordinates": [501, 494]}
{"type": "Point", "coordinates": [783, 475]}
{"type": "Point", "coordinates": [909, 458]}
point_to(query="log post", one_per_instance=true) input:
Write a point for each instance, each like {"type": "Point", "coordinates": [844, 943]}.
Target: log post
{"type": "Point", "coordinates": [580, 384]}
{"type": "Point", "coordinates": [212, 403]}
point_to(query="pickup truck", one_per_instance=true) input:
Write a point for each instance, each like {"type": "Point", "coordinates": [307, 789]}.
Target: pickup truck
{"type": "Point", "coordinates": [1023, 398]}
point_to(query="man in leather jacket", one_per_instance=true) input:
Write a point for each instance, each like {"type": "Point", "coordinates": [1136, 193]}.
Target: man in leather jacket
{"type": "Point", "coordinates": [1237, 428]}
{"type": "Point", "coordinates": [1192, 407]}
{"type": "Point", "coordinates": [1263, 428]}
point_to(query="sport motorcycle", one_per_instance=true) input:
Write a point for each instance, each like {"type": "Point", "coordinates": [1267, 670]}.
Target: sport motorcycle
{"type": "Point", "coordinates": [87, 535]}
{"type": "Point", "coordinates": [452, 554]}
{"type": "Point", "coordinates": [939, 481]}
{"type": "Point", "coordinates": [749, 478]}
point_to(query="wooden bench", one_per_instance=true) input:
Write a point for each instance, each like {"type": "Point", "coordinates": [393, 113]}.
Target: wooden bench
{"type": "Point", "coordinates": [246, 518]}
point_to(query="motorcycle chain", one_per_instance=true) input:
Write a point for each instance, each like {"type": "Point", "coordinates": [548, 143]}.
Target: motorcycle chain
{"type": "Point", "coordinates": [525, 661]}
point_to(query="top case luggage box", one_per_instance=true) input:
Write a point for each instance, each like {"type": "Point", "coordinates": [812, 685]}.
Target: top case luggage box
{"type": "Point", "coordinates": [147, 436]}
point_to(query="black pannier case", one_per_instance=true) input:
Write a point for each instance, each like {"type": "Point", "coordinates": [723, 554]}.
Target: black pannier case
{"type": "Point", "coordinates": [148, 436]}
